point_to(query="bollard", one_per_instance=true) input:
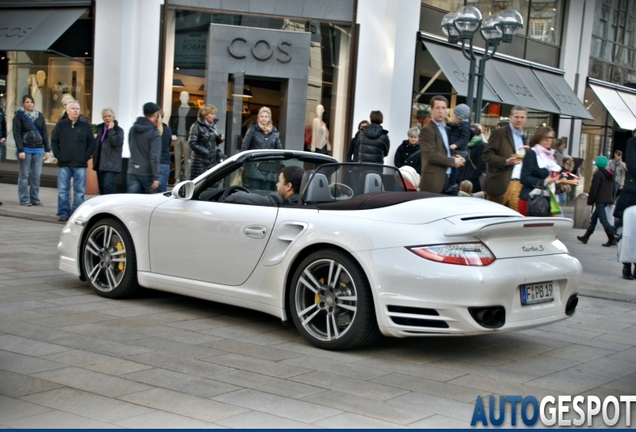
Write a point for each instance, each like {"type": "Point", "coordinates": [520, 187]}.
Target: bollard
{"type": "Point", "coordinates": [581, 211]}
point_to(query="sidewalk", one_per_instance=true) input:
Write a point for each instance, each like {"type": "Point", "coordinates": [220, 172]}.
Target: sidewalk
{"type": "Point", "coordinates": [601, 271]}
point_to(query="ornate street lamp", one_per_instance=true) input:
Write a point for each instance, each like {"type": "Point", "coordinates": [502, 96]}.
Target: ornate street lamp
{"type": "Point", "coordinates": [463, 24]}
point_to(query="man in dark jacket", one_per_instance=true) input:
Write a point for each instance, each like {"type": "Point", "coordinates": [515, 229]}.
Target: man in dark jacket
{"type": "Point", "coordinates": [3, 132]}
{"type": "Point", "coordinates": [145, 152]}
{"type": "Point", "coordinates": [73, 144]}
{"type": "Point", "coordinates": [601, 194]}
{"type": "Point", "coordinates": [373, 145]}
{"type": "Point", "coordinates": [287, 190]}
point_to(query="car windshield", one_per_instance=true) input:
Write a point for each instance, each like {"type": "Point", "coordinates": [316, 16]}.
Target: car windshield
{"type": "Point", "coordinates": [343, 181]}
{"type": "Point", "coordinates": [257, 175]}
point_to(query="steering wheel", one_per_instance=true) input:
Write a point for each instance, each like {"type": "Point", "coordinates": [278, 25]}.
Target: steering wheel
{"type": "Point", "coordinates": [229, 191]}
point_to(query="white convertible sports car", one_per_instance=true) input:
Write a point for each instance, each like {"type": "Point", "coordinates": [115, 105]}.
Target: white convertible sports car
{"type": "Point", "coordinates": [357, 257]}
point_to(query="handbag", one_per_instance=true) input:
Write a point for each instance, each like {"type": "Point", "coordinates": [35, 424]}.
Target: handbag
{"type": "Point", "coordinates": [539, 202]}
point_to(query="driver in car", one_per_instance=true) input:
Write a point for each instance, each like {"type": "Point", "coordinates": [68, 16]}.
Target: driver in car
{"type": "Point", "coordinates": [287, 190]}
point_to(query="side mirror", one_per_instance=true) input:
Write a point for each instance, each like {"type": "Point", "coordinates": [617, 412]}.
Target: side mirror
{"type": "Point", "coordinates": [183, 190]}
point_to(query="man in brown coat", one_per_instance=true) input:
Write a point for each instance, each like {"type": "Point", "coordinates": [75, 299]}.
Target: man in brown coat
{"type": "Point", "coordinates": [434, 148]}
{"type": "Point", "coordinates": [504, 154]}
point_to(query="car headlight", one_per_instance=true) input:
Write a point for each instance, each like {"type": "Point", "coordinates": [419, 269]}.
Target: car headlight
{"type": "Point", "coordinates": [470, 254]}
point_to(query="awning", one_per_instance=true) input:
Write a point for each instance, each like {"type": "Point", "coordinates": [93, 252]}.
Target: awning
{"type": "Point", "coordinates": [34, 29]}
{"type": "Point", "coordinates": [616, 106]}
{"type": "Point", "coordinates": [455, 66]}
{"type": "Point", "coordinates": [510, 83]}
{"type": "Point", "coordinates": [562, 95]}
{"type": "Point", "coordinates": [517, 85]}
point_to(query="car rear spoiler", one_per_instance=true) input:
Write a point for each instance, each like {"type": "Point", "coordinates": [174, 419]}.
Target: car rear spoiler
{"type": "Point", "coordinates": [506, 226]}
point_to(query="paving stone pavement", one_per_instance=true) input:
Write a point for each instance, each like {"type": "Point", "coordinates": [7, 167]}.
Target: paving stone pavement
{"type": "Point", "coordinates": [69, 358]}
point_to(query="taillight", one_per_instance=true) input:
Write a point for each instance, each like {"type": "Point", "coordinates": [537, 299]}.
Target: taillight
{"type": "Point", "coordinates": [470, 254]}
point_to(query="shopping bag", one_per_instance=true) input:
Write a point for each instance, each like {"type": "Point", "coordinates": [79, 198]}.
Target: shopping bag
{"type": "Point", "coordinates": [555, 208]}
{"type": "Point", "coordinates": [539, 202]}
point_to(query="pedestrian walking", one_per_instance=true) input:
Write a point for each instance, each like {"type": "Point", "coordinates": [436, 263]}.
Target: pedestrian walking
{"type": "Point", "coordinates": [618, 166]}
{"type": "Point", "coordinates": [3, 133]}
{"type": "Point", "coordinates": [600, 196]}
{"type": "Point", "coordinates": [261, 135]}
{"type": "Point", "coordinates": [73, 144]}
{"type": "Point", "coordinates": [627, 244]}
{"type": "Point", "coordinates": [108, 150]}
{"type": "Point", "coordinates": [145, 151]}
{"type": "Point", "coordinates": [32, 146]}
{"type": "Point", "coordinates": [627, 198]}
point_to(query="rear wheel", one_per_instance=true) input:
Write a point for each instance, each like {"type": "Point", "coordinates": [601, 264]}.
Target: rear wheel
{"type": "Point", "coordinates": [331, 302]}
{"type": "Point", "coordinates": [109, 260]}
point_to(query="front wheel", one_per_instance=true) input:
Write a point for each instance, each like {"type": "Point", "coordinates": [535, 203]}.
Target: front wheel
{"type": "Point", "coordinates": [331, 302]}
{"type": "Point", "coordinates": [109, 260]}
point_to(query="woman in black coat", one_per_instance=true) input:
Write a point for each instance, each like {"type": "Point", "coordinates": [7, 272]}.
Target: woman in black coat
{"type": "Point", "coordinates": [538, 165]}
{"type": "Point", "coordinates": [203, 141]}
{"type": "Point", "coordinates": [107, 154]}
{"type": "Point", "coordinates": [352, 150]}
{"type": "Point", "coordinates": [261, 135]}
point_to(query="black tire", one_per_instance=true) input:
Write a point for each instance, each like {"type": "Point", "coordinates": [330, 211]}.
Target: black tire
{"type": "Point", "coordinates": [109, 260]}
{"type": "Point", "coordinates": [332, 295]}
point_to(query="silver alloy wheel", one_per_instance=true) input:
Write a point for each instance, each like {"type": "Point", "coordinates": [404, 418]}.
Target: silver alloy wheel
{"type": "Point", "coordinates": [326, 299]}
{"type": "Point", "coordinates": [105, 258]}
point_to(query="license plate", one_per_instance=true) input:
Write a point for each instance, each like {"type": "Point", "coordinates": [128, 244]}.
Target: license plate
{"type": "Point", "coordinates": [538, 293]}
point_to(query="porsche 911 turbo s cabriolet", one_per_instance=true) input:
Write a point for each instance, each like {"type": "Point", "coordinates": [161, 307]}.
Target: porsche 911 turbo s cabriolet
{"type": "Point", "coordinates": [358, 256]}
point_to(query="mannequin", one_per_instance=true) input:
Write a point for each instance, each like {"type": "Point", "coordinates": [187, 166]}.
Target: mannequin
{"type": "Point", "coordinates": [182, 118]}
{"type": "Point", "coordinates": [35, 93]}
{"type": "Point", "coordinates": [47, 93]}
{"type": "Point", "coordinates": [319, 133]}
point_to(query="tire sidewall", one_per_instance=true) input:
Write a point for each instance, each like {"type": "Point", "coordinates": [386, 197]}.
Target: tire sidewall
{"type": "Point", "coordinates": [365, 310]}
{"type": "Point", "coordinates": [128, 284]}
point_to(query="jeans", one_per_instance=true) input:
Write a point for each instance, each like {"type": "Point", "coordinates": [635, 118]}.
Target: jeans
{"type": "Point", "coordinates": [139, 184]}
{"type": "Point", "coordinates": [106, 181]}
{"type": "Point", "coordinates": [164, 173]}
{"type": "Point", "coordinates": [30, 171]}
{"type": "Point", "coordinates": [64, 176]}
{"type": "Point", "coordinates": [599, 213]}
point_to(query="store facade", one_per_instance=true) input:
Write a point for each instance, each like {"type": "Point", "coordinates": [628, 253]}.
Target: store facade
{"type": "Point", "coordinates": [45, 52]}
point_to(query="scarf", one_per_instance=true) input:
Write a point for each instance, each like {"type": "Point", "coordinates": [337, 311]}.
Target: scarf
{"type": "Point", "coordinates": [33, 114]}
{"type": "Point", "coordinates": [475, 140]}
{"type": "Point", "coordinates": [267, 129]}
{"type": "Point", "coordinates": [545, 159]}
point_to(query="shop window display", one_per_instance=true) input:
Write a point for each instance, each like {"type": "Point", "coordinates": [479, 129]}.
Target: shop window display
{"type": "Point", "coordinates": [329, 68]}
{"type": "Point", "coordinates": [47, 78]}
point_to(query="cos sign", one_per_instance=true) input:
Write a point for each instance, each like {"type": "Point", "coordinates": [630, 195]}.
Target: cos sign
{"type": "Point", "coordinates": [14, 32]}
{"type": "Point", "coordinates": [261, 50]}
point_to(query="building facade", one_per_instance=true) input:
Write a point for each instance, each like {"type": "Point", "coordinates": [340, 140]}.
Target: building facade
{"type": "Point", "coordinates": [349, 57]}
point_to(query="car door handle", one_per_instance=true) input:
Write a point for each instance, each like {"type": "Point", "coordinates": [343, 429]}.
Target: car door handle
{"type": "Point", "coordinates": [255, 231]}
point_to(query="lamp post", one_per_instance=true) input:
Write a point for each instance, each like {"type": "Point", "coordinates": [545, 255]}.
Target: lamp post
{"type": "Point", "coordinates": [462, 26]}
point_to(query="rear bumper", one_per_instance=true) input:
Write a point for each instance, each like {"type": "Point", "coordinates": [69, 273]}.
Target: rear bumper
{"type": "Point", "coordinates": [442, 293]}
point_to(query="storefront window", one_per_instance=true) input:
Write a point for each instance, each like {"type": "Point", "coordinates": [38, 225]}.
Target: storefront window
{"type": "Point", "coordinates": [47, 78]}
{"type": "Point", "coordinates": [447, 5]}
{"type": "Point", "coordinates": [542, 18]}
{"type": "Point", "coordinates": [326, 84]}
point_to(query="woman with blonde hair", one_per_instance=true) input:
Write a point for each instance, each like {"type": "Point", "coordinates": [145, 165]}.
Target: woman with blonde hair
{"type": "Point", "coordinates": [261, 135]}
{"type": "Point", "coordinates": [204, 140]}
{"type": "Point", "coordinates": [107, 154]}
